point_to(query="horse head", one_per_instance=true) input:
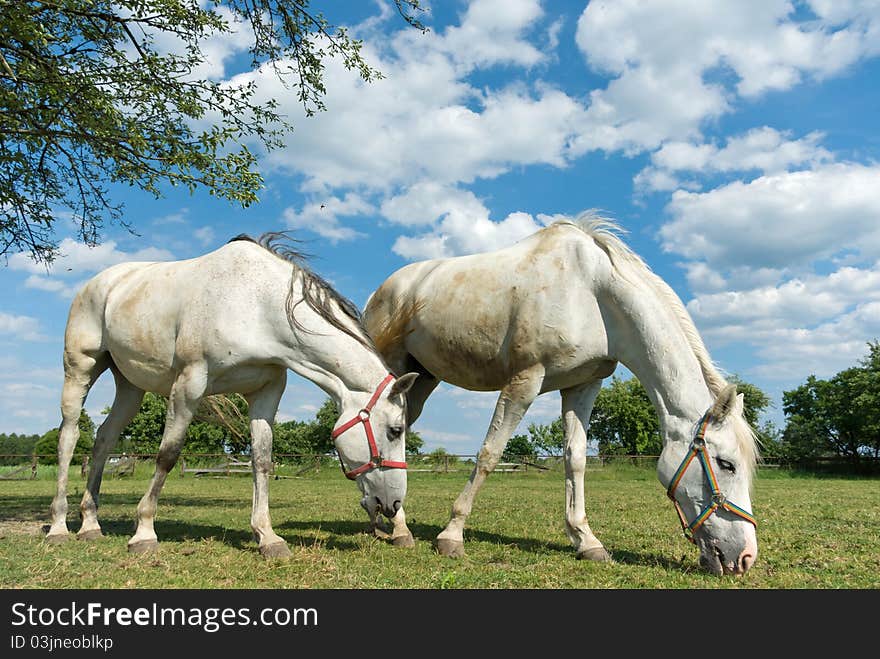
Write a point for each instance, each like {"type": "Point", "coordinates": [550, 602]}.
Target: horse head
{"type": "Point", "coordinates": [707, 472]}
{"type": "Point", "coordinates": [370, 437]}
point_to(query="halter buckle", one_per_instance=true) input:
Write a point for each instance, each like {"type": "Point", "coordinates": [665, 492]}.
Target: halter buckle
{"type": "Point", "coordinates": [364, 414]}
{"type": "Point", "coordinates": [718, 498]}
{"type": "Point", "coordinates": [376, 460]}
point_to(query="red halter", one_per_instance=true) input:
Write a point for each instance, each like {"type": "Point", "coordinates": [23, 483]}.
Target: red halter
{"type": "Point", "coordinates": [363, 416]}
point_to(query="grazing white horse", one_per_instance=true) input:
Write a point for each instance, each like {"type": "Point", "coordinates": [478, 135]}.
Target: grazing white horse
{"type": "Point", "coordinates": [233, 320]}
{"type": "Point", "coordinates": [557, 311]}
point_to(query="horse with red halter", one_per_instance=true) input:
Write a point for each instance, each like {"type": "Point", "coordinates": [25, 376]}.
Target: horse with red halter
{"type": "Point", "coordinates": [231, 321]}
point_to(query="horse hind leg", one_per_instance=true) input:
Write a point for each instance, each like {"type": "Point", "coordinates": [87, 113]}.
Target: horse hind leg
{"type": "Point", "coordinates": [513, 402]}
{"type": "Point", "coordinates": [81, 370]}
{"type": "Point", "coordinates": [424, 385]}
{"type": "Point", "coordinates": [187, 391]}
{"type": "Point", "coordinates": [125, 406]}
{"type": "Point", "coordinates": [577, 405]}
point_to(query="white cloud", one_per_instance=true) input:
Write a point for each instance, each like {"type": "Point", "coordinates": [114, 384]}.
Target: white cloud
{"type": "Point", "coordinates": [172, 218]}
{"type": "Point", "coordinates": [63, 288]}
{"type": "Point", "coordinates": [764, 149]}
{"type": "Point", "coordinates": [65, 275]}
{"type": "Point", "coordinates": [814, 323]}
{"type": "Point", "coordinates": [425, 202]}
{"type": "Point", "coordinates": [464, 226]}
{"type": "Point", "coordinates": [799, 302]}
{"type": "Point", "coordinates": [491, 32]}
{"type": "Point", "coordinates": [24, 328]}
{"type": "Point", "coordinates": [780, 221]}
{"type": "Point", "coordinates": [204, 235]}
{"type": "Point", "coordinates": [322, 217]}
{"type": "Point", "coordinates": [78, 258]}
{"type": "Point", "coordinates": [665, 58]}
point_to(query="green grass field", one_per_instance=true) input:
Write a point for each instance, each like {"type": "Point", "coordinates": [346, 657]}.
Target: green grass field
{"type": "Point", "coordinates": [813, 533]}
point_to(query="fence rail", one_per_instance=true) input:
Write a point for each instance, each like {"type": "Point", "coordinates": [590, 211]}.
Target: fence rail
{"type": "Point", "coordinates": [290, 465]}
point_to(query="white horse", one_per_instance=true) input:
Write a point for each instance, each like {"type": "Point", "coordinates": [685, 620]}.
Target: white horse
{"type": "Point", "coordinates": [557, 311]}
{"type": "Point", "coordinates": [233, 320]}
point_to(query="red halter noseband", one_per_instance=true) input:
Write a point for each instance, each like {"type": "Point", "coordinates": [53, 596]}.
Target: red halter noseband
{"type": "Point", "coordinates": [363, 416]}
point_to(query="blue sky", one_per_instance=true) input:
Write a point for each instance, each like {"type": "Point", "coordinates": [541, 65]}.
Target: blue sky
{"type": "Point", "coordinates": [736, 142]}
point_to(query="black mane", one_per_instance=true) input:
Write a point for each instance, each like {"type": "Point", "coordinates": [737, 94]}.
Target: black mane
{"type": "Point", "coordinates": [318, 294]}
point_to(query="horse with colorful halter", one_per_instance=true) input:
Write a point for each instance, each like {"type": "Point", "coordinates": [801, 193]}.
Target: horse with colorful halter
{"type": "Point", "coordinates": [558, 311]}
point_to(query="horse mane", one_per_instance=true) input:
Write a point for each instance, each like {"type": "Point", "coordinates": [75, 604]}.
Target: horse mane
{"type": "Point", "coordinates": [317, 292]}
{"type": "Point", "coordinates": [392, 331]}
{"type": "Point", "coordinates": [625, 262]}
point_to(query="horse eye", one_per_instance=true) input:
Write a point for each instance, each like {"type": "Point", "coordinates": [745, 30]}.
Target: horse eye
{"type": "Point", "coordinates": [394, 432]}
{"type": "Point", "coordinates": [725, 465]}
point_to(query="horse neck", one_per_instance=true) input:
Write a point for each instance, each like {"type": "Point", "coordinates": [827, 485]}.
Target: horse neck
{"type": "Point", "coordinates": [651, 343]}
{"type": "Point", "coordinates": [336, 362]}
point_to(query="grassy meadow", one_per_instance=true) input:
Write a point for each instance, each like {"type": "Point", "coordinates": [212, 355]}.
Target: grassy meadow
{"type": "Point", "coordinates": [813, 533]}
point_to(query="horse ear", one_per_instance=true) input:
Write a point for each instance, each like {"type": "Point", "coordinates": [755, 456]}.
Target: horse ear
{"type": "Point", "coordinates": [726, 402]}
{"type": "Point", "coordinates": [402, 384]}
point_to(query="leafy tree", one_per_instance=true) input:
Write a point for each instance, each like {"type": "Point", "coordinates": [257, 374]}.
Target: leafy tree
{"type": "Point", "coordinates": [144, 433]}
{"type": "Point", "coordinates": [755, 401]}
{"type": "Point", "coordinates": [840, 416]}
{"type": "Point", "coordinates": [292, 437]}
{"type": "Point", "coordinates": [548, 439]}
{"type": "Point", "coordinates": [319, 432]}
{"type": "Point", "coordinates": [624, 421]}
{"type": "Point", "coordinates": [47, 445]}
{"type": "Point", "coordinates": [519, 447]}
{"type": "Point", "coordinates": [220, 425]}
{"type": "Point", "coordinates": [98, 92]}
{"type": "Point", "coordinates": [16, 445]}
{"type": "Point", "coordinates": [439, 456]}
{"type": "Point", "coordinates": [414, 443]}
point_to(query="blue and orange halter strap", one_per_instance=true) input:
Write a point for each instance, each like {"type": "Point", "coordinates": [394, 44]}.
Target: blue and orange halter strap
{"type": "Point", "coordinates": [376, 460]}
{"type": "Point", "coordinates": [718, 500]}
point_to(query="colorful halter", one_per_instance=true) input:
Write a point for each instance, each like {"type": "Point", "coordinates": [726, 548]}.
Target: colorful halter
{"type": "Point", "coordinates": [698, 450]}
{"type": "Point", "coordinates": [363, 416]}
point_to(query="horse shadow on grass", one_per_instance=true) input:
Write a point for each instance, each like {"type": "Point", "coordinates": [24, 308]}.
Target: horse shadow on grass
{"type": "Point", "coordinates": [343, 533]}
{"type": "Point", "coordinates": [340, 529]}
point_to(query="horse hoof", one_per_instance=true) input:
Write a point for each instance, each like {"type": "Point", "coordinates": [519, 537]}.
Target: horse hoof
{"type": "Point", "coordinates": [91, 534]}
{"type": "Point", "coordinates": [57, 538]}
{"type": "Point", "coordinates": [598, 554]}
{"type": "Point", "coordinates": [453, 548]}
{"type": "Point", "coordinates": [403, 541]}
{"type": "Point", "coordinates": [143, 546]}
{"type": "Point", "coordinates": [275, 550]}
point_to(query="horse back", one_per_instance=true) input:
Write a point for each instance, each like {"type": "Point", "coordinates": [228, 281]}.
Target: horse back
{"type": "Point", "coordinates": [484, 317]}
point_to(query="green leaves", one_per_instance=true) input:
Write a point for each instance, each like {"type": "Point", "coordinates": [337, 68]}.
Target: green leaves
{"type": "Point", "coordinates": [839, 416]}
{"type": "Point", "coordinates": [624, 421]}
{"type": "Point", "coordinates": [94, 92]}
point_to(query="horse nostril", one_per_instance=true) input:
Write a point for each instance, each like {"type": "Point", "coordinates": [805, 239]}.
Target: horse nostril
{"type": "Point", "coordinates": [396, 505]}
{"type": "Point", "coordinates": [746, 560]}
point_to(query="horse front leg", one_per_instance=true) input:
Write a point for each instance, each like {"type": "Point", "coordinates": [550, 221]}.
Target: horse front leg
{"type": "Point", "coordinates": [513, 402]}
{"type": "Point", "coordinates": [577, 405]}
{"type": "Point", "coordinates": [262, 406]}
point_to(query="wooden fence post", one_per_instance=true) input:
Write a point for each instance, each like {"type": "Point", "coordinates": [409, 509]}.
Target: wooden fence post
{"type": "Point", "coordinates": [33, 467]}
{"type": "Point", "coordinates": [84, 470]}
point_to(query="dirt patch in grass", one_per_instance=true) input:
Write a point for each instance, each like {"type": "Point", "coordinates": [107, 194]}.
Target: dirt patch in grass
{"type": "Point", "coordinates": [14, 527]}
